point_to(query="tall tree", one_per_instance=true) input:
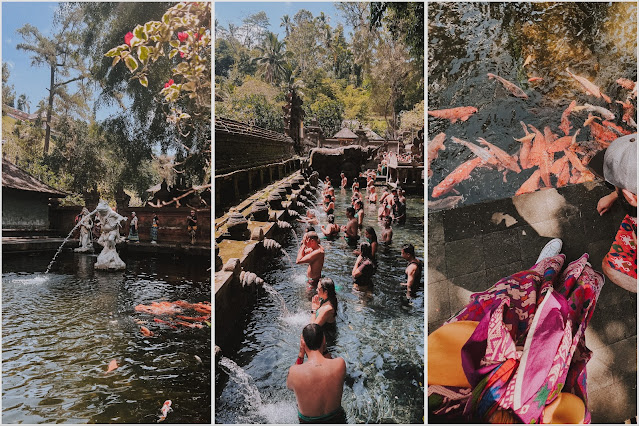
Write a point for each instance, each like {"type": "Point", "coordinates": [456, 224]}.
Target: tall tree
{"type": "Point", "coordinates": [254, 28]}
{"type": "Point", "coordinates": [23, 103]}
{"type": "Point", "coordinates": [60, 53]}
{"type": "Point", "coordinates": [271, 58]}
{"type": "Point", "coordinates": [8, 94]}
{"type": "Point", "coordinates": [286, 23]}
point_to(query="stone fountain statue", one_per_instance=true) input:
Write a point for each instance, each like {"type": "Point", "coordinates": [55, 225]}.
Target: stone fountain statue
{"type": "Point", "coordinates": [110, 228]}
{"type": "Point", "coordinates": [86, 226]}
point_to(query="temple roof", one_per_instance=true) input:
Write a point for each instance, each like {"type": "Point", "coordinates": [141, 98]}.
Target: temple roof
{"type": "Point", "coordinates": [345, 133]}
{"type": "Point", "coordinates": [372, 136]}
{"type": "Point", "coordinates": [16, 178]}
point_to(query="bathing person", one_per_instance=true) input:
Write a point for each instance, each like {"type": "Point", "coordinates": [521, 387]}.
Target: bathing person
{"type": "Point", "coordinates": [318, 383]}
{"type": "Point", "coordinates": [344, 180]}
{"type": "Point", "coordinates": [191, 225]}
{"type": "Point", "coordinates": [133, 228]}
{"type": "Point", "coordinates": [310, 218]}
{"type": "Point", "coordinates": [372, 196]}
{"type": "Point", "coordinates": [384, 196]}
{"type": "Point", "coordinates": [311, 252]}
{"type": "Point", "coordinates": [351, 230]}
{"type": "Point", "coordinates": [617, 164]}
{"type": "Point", "coordinates": [399, 210]}
{"type": "Point", "coordinates": [384, 210]}
{"type": "Point", "coordinates": [364, 267]}
{"type": "Point", "coordinates": [355, 185]}
{"type": "Point", "coordinates": [324, 309]}
{"type": "Point", "coordinates": [413, 270]}
{"type": "Point", "coordinates": [329, 205]}
{"type": "Point", "coordinates": [371, 237]}
{"type": "Point", "coordinates": [356, 196]}
{"type": "Point", "coordinates": [332, 229]}
{"type": "Point", "coordinates": [359, 207]}
{"type": "Point", "coordinates": [387, 231]}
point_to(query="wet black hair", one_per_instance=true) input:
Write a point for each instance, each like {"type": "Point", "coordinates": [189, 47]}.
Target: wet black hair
{"type": "Point", "coordinates": [310, 228]}
{"type": "Point", "coordinates": [329, 287]}
{"type": "Point", "coordinates": [409, 248]}
{"type": "Point", "coordinates": [331, 218]}
{"type": "Point", "coordinates": [371, 231]}
{"type": "Point", "coordinates": [313, 336]}
{"type": "Point", "coordinates": [350, 210]}
{"type": "Point", "coordinates": [365, 250]}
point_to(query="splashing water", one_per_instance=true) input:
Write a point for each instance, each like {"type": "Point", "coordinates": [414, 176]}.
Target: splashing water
{"type": "Point", "coordinates": [288, 258]}
{"type": "Point", "coordinates": [277, 296]}
{"type": "Point", "coordinates": [247, 388]}
{"type": "Point", "coordinates": [64, 242]}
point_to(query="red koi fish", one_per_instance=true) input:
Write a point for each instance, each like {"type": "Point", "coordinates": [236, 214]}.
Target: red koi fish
{"type": "Point", "coordinates": [502, 156]}
{"type": "Point", "coordinates": [531, 185]}
{"type": "Point", "coordinates": [541, 156]}
{"type": "Point", "coordinates": [194, 319]}
{"type": "Point", "coordinates": [589, 87]}
{"type": "Point", "coordinates": [565, 121]}
{"type": "Point", "coordinates": [602, 134]}
{"type": "Point", "coordinates": [146, 331]}
{"type": "Point", "coordinates": [615, 128]}
{"type": "Point", "coordinates": [166, 408]}
{"type": "Point", "coordinates": [433, 149]}
{"type": "Point", "coordinates": [158, 320]}
{"type": "Point", "coordinates": [454, 114]}
{"type": "Point", "coordinates": [112, 366]}
{"type": "Point", "coordinates": [189, 324]}
{"type": "Point", "coordinates": [526, 144]}
{"type": "Point", "coordinates": [202, 307]}
{"type": "Point", "coordinates": [563, 142]}
{"type": "Point", "coordinates": [460, 173]}
{"type": "Point", "coordinates": [512, 88]}
{"type": "Point", "coordinates": [628, 112]}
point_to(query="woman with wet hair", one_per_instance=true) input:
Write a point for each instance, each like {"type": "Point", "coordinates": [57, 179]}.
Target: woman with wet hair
{"type": "Point", "coordinates": [371, 237]}
{"type": "Point", "coordinates": [324, 306]}
{"type": "Point", "coordinates": [364, 267]}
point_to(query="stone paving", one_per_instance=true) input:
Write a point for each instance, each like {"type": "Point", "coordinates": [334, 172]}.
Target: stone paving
{"type": "Point", "coordinates": [472, 247]}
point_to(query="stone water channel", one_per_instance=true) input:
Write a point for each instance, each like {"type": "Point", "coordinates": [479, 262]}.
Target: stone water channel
{"type": "Point", "coordinates": [61, 330]}
{"type": "Point", "coordinates": [380, 337]}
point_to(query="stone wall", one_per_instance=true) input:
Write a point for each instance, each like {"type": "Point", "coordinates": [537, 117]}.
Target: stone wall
{"type": "Point", "coordinates": [172, 229]}
{"type": "Point", "coordinates": [235, 152]}
{"type": "Point", "coordinates": [24, 209]}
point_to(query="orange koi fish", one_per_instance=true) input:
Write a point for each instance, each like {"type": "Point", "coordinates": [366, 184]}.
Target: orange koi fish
{"type": "Point", "coordinates": [590, 119]}
{"type": "Point", "coordinates": [502, 156]}
{"type": "Point", "coordinates": [158, 320]}
{"type": "Point", "coordinates": [166, 408]}
{"type": "Point", "coordinates": [531, 185]}
{"type": "Point", "coordinates": [480, 152]}
{"type": "Point", "coordinates": [626, 84]}
{"type": "Point", "coordinates": [195, 319]}
{"type": "Point", "coordinates": [454, 114]}
{"type": "Point", "coordinates": [189, 324]}
{"type": "Point", "coordinates": [558, 166]}
{"type": "Point", "coordinates": [533, 79]}
{"type": "Point", "coordinates": [564, 175]}
{"type": "Point", "coordinates": [589, 87]}
{"type": "Point", "coordinates": [155, 308]}
{"type": "Point", "coordinates": [146, 331]}
{"type": "Point", "coordinates": [526, 144]}
{"type": "Point", "coordinates": [602, 134]}
{"type": "Point", "coordinates": [601, 110]}
{"type": "Point", "coordinates": [539, 156]}
{"type": "Point", "coordinates": [574, 160]}
{"type": "Point", "coordinates": [628, 113]}
{"type": "Point", "coordinates": [112, 366]}
{"type": "Point", "coordinates": [563, 142]}
{"type": "Point", "coordinates": [565, 121]}
{"type": "Point", "coordinates": [615, 128]}
{"type": "Point", "coordinates": [433, 149]}
{"type": "Point", "coordinates": [512, 88]}
{"type": "Point", "coordinates": [460, 173]}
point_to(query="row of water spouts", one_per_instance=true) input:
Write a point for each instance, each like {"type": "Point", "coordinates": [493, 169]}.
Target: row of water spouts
{"type": "Point", "coordinates": [77, 225]}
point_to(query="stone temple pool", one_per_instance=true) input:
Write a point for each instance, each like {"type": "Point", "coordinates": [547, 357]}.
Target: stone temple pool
{"type": "Point", "coordinates": [380, 339]}
{"type": "Point", "coordinates": [61, 330]}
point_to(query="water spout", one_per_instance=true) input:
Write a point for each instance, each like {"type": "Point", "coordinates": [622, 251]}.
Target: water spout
{"type": "Point", "coordinates": [65, 240]}
{"type": "Point", "coordinates": [247, 388]}
{"type": "Point", "coordinates": [277, 296]}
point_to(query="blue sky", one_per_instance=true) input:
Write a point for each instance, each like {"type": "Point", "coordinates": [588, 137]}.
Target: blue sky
{"type": "Point", "coordinates": [32, 81]}
{"type": "Point", "coordinates": [226, 12]}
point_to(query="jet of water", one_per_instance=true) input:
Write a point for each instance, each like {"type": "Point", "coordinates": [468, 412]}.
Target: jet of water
{"type": "Point", "coordinates": [247, 388]}
{"type": "Point", "coordinates": [277, 296]}
{"type": "Point", "coordinates": [290, 262]}
{"type": "Point", "coordinates": [64, 242]}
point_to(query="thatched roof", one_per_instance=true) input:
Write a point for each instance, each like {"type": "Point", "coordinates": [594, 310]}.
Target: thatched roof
{"type": "Point", "coordinates": [345, 133]}
{"type": "Point", "coordinates": [16, 178]}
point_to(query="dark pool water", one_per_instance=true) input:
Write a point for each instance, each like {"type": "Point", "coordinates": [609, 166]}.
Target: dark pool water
{"type": "Point", "coordinates": [380, 340]}
{"type": "Point", "coordinates": [61, 330]}
{"type": "Point", "coordinates": [467, 40]}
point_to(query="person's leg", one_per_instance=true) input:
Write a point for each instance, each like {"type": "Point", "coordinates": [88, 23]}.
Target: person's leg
{"type": "Point", "coordinates": [552, 248]}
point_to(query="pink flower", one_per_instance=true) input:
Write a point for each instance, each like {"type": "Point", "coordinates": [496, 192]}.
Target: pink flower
{"type": "Point", "coordinates": [181, 54]}
{"type": "Point", "coordinates": [198, 36]}
{"type": "Point", "coordinates": [169, 83]}
{"type": "Point", "coordinates": [128, 37]}
{"type": "Point", "coordinates": [183, 36]}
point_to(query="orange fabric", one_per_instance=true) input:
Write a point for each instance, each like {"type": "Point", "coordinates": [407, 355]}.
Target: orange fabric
{"type": "Point", "coordinates": [565, 409]}
{"type": "Point", "coordinates": [444, 353]}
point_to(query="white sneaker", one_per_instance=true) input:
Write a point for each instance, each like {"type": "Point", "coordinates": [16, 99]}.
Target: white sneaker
{"type": "Point", "coordinates": [552, 248]}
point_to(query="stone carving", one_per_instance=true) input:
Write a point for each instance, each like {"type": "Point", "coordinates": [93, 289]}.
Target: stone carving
{"type": "Point", "coordinates": [110, 236]}
{"type": "Point", "coordinates": [86, 225]}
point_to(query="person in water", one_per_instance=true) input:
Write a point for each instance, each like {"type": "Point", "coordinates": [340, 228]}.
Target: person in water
{"type": "Point", "coordinates": [384, 210]}
{"type": "Point", "coordinates": [364, 267]}
{"type": "Point", "coordinates": [318, 383]}
{"type": "Point", "coordinates": [332, 229]}
{"type": "Point", "coordinates": [310, 218]}
{"type": "Point", "coordinates": [359, 208]}
{"type": "Point", "coordinates": [311, 252]}
{"type": "Point", "coordinates": [413, 270]}
{"type": "Point", "coordinates": [371, 238]}
{"type": "Point", "coordinates": [344, 180]}
{"type": "Point", "coordinates": [351, 230]}
{"type": "Point", "coordinates": [387, 231]}
{"type": "Point", "coordinates": [324, 311]}
{"type": "Point", "coordinates": [372, 196]}
{"type": "Point", "coordinates": [399, 210]}
{"type": "Point", "coordinates": [329, 205]}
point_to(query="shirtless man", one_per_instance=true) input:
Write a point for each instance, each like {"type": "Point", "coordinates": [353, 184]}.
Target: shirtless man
{"type": "Point", "coordinates": [319, 382]}
{"type": "Point", "coordinates": [351, 229]}
{"type": "Point", "coordinates": [344, 180]}
{"type": "Point", "coordinates": [332, 229]}
{"type": "Point", "coordinates": [413, 270]}
{"type": "Point", "coordinates": [387, 231]}
{"type": "Point", "coordinates": [310, 218]}
{"type": "Point", "coordinates": [311, 252]}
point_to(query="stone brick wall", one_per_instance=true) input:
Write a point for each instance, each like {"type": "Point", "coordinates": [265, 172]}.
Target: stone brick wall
{"type": "Point", "coordinates": [236, 152]}
{"type": "Point", "coordinates": [172, 229]}
{"type": "Point", "coordinates": [24, 210]}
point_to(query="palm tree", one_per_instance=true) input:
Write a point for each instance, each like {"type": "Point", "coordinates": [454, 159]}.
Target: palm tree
{"type": "Point", "coordinates": [286, 23]}
{"type": "Point", "coordinates": [271, 58]}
